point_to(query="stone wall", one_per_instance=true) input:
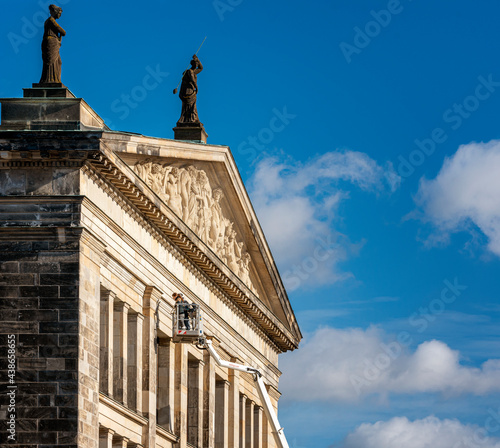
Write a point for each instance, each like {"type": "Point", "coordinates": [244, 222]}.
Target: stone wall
{"type": "Point", "coordinates": [39, 305]}
{"type": "Point", "coordinates": [48, 306]}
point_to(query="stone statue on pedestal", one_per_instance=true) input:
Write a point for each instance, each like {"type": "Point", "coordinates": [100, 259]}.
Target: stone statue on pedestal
{"type": "Point", "coordinates": [52, 35]}
{"type": "Point", "coordinates": [187, 94]}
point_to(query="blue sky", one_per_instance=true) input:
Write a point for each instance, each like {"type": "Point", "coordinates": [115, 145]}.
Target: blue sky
{"type": "Point", "coordinates": [393, 269]}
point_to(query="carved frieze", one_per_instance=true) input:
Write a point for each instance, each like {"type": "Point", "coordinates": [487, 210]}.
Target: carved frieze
{"type": "Point", "coordinates": [188, 193]}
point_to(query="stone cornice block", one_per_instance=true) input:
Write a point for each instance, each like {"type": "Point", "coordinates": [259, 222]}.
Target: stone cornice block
{"type": "Point", "coordinates": [49, 114]}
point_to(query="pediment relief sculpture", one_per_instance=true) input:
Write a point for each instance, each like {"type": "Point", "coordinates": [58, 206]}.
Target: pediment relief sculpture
{"type": "Point", "coordinates": [188, 193]}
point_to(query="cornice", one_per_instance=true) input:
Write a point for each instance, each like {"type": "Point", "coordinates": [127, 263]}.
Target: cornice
{"type": "Point", "coordinates": [157, 214]}
{"type": "Point", "coordinates": [134, 145]}
{"type": "Point", "coordinates": [173, 250]}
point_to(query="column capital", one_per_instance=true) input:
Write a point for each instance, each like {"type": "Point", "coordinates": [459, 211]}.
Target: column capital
{"type": "Point", "coordinates": [107, 294]}
{"type": "Point", "coordinates": [121, 306]}
{"type": "Point", "coordinates": [134, 315]}
{"type": "Point", "coordinates": [196, 362]}
{"type": "Point", "coordinates": [223, 383]}
{"type": "Point", "coordinates": [103, 432]}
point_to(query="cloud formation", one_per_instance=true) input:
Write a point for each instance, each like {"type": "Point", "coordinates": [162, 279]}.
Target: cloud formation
{"type": "Point", "coordinates": [465, 194]}
{"type": "Point", "coordinates": [297, 204]}
{"type": "Point", "coordinates": [346, 365]}
{"type": "Point", "coordinates": [429, 432]}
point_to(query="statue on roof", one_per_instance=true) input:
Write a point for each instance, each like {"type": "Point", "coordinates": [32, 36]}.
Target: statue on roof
{"type": "Point", "coordinates": [188, 93]}
{"type": "Point", "coordinates": [52, 35]}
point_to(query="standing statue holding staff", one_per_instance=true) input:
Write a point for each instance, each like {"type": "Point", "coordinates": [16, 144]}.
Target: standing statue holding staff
{"type": "Point", "coordinates": [51, 43]}
{"type": "Point", "coordinates": [188, 92]}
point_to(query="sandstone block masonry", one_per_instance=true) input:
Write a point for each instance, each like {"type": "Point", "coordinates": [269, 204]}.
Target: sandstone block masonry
{"type": "Point", "coordinates": [90, 254]}
{"type": "Point", "coordinates": [45, 382]}
{"type": "Point", "coordinates": [39, 280]}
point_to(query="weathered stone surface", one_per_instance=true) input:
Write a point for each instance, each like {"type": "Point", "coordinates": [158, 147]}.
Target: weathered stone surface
{"type": "Point", "coordinates": [75, 220]}
{"type": "Point", "coordinates": [191, 133]}
{"type": "Point", "coordinates": [47, 113]}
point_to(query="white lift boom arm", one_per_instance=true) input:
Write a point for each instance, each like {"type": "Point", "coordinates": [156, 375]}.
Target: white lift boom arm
{"type": "Point", "coordinates": [261, 387]}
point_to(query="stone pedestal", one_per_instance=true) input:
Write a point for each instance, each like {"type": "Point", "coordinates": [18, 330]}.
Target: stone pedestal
{"type": "Point", "coordinates": [49, 107]}
{"type": "Point", "coordinates": [194, 133]}
{"type": "Point", "coordinates": [49, 90]}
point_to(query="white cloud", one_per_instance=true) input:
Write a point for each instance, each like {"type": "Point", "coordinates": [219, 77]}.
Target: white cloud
{"type": "Point", "coordinates": [297, 204]}
{"type": "Point", "coordinates": [346, 365]}
{"type": "Point", "coordinates": [429, 432]}
{"type": "Point", "coordinates": [465, 193]}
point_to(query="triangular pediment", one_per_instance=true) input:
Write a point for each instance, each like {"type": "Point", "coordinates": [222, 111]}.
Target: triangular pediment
{"type": "Point", "coordinates": [201, 185]}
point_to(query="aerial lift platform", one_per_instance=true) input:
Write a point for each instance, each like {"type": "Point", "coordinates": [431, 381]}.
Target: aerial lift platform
{"type": "Point", "coordinates": [188, 328]}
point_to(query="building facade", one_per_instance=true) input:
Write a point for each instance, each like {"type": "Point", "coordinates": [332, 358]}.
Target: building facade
{"type": "Point", "coordinates": [97, 230]}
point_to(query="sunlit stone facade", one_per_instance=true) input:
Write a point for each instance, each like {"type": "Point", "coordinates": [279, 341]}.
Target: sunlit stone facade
{"type": "Point", "coordinates": [97, 230]}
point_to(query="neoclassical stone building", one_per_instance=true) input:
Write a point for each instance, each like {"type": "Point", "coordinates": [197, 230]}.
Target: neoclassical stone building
{"type": "Point", "coordinates": [97, 230]}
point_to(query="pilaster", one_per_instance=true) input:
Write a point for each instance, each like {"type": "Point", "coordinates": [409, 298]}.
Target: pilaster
{"type": "Point", "coordinates": [134, 358]}
{"type": "Point", "coordinates": [165, 400]}
{"type": "Point", "coordinates": [234, 407]}
{"type": "Point", "coordinates": [151, 297]}
{"type": "Point", "coordinates": [243, 416]}
{"type": "Point", "coordinates": [181, 394]}
{"type": "Point", "coordinates": [106, 342]}
{"type": "Point", "coordinates": [257, 427]}
{"type": "Point", "coordinates": [221, 414]}
{"type": "Point", "coordinates": [120, 351]}
{"type": "Point", "coordinates": [249, 424]}
{"type": "Point", "coordinates": [195, 402]}
{"type": "Point", "coordinates": [209, 400]}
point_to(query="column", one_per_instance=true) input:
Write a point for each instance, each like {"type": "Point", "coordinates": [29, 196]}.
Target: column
{"type": "Point", "coordinates": [208, 400]}
{"type": "Point", "coordinates": [181, 394]}
{"type": "Point", "coordinates": [149, 368]}
{"type": "Point", "coordinates": [106, 342]}
{"type": "Point", "coordinates": [165, 398]}
{"type": "Point", "coordinates": [195, 402]}
{"type": "Point", "coordinates": [120, 339]}
{"type": "Point", "coordinates": [134, 358]}
{"type": "Point", "coordinates": [249, 411]}
{"type": "Point", "coordinates": [243, 414]}
{"type": "Point", "coordinates": [234, 407]}
{"type": "Point", "coordinates": [221, 414]}
{"type": "Point", "coordinates": [257, 427]}
{"type": "Point", "coordinates": [105, 437]}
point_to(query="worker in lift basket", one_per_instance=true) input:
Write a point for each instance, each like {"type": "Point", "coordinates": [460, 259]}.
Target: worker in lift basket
{"type": "Point", "coordinates": [184, 308]}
